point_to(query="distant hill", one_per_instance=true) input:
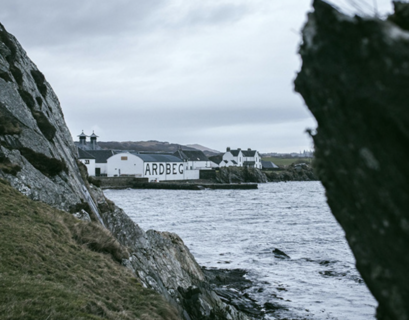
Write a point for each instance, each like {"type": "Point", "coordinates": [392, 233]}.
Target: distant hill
{"type": "Point", "coordinates": [202, 148]}
{"type": "Point", "coordinates": [151, 145]}
{"type": "Point", "coordinates": [154, 146]}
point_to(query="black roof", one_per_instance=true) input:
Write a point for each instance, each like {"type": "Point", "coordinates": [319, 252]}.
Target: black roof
{"type": "Point", "coordinates": [191, 155]}
{"type": "Point", "coordinates": [216, 159]}
{"type": "Point", "coordinates": [82, 154]}
{"type": "Point", "coordinates": [82, 135]}
{"type": "Point", "coordinates": [101, 156]}
{"type": "Point", "coordinates": [249, 163]}
{"type": "Point", "coordinates": [154, 157]}
{"type": "Point", "coordinates": [235, 153]}
{"type": "Point", "coordinates": [249, 153]}
{"type": "Point", "coordinates": [268, 164]}
{"type": "Point", "coordinates": [234, 162]}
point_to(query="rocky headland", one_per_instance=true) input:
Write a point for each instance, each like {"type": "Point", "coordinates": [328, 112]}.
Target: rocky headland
{"type": "Point", "coordinates": [354, 79]}
{"type": "Point", "coordinates": [293, 172]}
{"type": "Point", "coordinates": [38, 159]}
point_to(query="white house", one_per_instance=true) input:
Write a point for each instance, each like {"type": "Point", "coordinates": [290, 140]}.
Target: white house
{"type": "Point", "coordinates": [88, 160]}
{"type": "Point", "coordinates": [251, 158]}
{"type": "Point", "coordinates": [194, 159]}
{"type": "Point", "coordinates": [241, 158]}
{"type": "Point", "coordinates": [232, 158]}
{"type": "Point", "coordinates": [156, 167]}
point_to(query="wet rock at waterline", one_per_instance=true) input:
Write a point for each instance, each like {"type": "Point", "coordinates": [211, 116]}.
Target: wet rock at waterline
{"type": "Point", "coordinates": [280, 254]}
{"type": "Point", "coordinates": [354, 79]}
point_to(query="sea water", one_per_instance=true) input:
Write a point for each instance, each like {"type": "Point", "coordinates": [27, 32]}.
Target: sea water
{"type": "Point", "coordinates": [241, 228]}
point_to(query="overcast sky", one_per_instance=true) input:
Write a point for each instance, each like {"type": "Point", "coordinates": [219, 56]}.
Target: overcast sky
{"type": "Point", "coordinates": [213, 72]}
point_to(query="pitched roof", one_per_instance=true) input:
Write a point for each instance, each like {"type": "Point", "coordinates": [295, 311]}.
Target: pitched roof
{"type": "Point", "coordinates": [82, 154]}
{"type": "Point", "coordinates": [249, 163]}
{"type": "Point", "coordinates": [268, 164]}
{"type": "Point", "coordinates": [235, 153]}
{"type": "Point", "coordinates": [101, 156]}
{"type": "Point", "coordinates": [191, 155]}
{"type": "Point", "coordinates": [234, 162]}
{"type": "Point", "coordinates": [154, 157]}
{"type": "Point", "coordinates": [249, 153]}
{"type": "Point", "coordinates": [216, 159]}
{"type": "Point", "coordinates": [82, 135]}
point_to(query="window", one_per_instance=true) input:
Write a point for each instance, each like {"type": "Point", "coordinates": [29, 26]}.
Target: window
{"type": "Point", "coordinates": [124, 158]}
{"type": "Point", "coordinates": [86, 161]}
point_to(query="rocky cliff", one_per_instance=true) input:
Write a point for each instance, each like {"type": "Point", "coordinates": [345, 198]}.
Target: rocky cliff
{"type": "Point", "coordinates": [37, 155]}
{"type": "Point", "coordinates": [39, 159]}
{"type": "Point", "coordinates": [355, 79]}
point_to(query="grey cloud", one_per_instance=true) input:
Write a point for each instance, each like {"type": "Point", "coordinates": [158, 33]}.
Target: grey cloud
{"type": "Point", "coordinates": [214, 15]}
{"type": "Point", "coordinates": [50, 22]}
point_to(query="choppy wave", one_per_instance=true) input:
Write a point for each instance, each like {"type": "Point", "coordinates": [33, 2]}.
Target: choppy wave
{"type": "Point", "coordinates": [242, 228]}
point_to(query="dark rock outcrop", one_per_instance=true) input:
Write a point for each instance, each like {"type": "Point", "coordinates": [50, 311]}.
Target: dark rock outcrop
{"type": "Point", "coordinates": [355, 80]}
{"type": "Point", "coordinates": [293, 172]}
{"type": "Point", "coordinates": [240, 175]}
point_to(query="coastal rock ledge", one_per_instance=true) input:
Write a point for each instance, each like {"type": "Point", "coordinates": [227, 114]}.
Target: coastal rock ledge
{"type": "Point", "coordinates": [38, 158]}
{"type": "Point", "coordinates": [355, 80]}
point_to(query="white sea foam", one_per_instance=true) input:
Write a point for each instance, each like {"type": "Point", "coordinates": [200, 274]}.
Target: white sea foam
{"type": "Point", "coordinates": [240, 228]}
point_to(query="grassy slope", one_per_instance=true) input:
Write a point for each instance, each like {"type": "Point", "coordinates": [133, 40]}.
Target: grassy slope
{"type": "Point", "coordinates": [46, 274]}
{"type": "Point", "coordinates": [286, 161]}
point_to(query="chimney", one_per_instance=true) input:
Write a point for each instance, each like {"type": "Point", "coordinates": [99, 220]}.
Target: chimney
{"type": "Point", "coordinates": [83, 138]}
{"type": "Point", "coordinates": [248, 149]}
{"type": "Point", "coordinates": [227, 149]}
{"type": "Point", "coordinates": [238, 149]}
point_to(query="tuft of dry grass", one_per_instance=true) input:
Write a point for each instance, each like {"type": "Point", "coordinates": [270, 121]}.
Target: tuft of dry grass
{"type": "Point", "coordinates": [98, 239]}
{"type": "Point", "coordinates": [53, 266]}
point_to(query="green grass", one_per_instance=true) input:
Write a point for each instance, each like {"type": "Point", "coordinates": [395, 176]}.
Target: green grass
{"type": "Point", "coordinates": [48, 271]}
{"type": "Point", "coordinates": [286, 161]}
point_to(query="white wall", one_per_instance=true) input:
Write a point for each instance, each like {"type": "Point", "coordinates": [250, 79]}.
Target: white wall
{"type": "Point", "coordinates": [192, 165]}
{"type": "Point", "coordinates": [229, 157]}
{"type": "Point", "coordinates": [102, 166]}
{"type": "Point", "coordinates": [124, 164]}
{"type": "Point", "coordinates": [192, 174]}
{"type": "Point", "coordinates": [90, 166]}
{"type": "Point", "coordinates": [162, 171]}
{"type": "Point", "coordinates": [129, 164]}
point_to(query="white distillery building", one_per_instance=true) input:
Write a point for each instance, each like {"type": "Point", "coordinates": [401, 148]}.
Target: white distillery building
{"type": "Point", "coordinates": [194, 159]}
{"type": "Point", "coordinates": [155, 167]}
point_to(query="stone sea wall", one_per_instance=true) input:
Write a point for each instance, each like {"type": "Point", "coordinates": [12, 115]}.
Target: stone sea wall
{"type": "Point", "coordinates": [355, 80]}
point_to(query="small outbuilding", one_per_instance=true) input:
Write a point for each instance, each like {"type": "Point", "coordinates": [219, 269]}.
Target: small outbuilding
{"type": "Point", "coordinates": [266, 165]}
